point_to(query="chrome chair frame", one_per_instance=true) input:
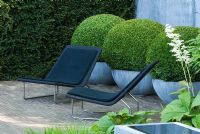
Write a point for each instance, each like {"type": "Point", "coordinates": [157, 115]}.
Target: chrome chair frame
{"type": "Point", "coordinates": [96, 119]}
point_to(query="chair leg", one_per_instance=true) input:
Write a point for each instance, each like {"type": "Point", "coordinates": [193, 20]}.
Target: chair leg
{"type": "Point", "coordinates": [55, 93]}
{"type": "Point", "coordinates": [87, 86]}
{"type": "Point", "coordinates": [82, 105]}
{"type": "Point", "coordinates": [138, 105]}
{"type": "Point", "coordinates": [26, 98]}
{"type": "Point", "coordinates": [77, 117]}
{"type": "Point", "coordinates": [129, 108]}
{"type": "Point", "coordinates": [57, 90]}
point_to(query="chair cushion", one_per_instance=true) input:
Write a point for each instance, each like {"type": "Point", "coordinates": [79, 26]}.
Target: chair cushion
{"type": "Point", "coordinates": [36, 80]}
{"type": "Point", "coordinates": [72, 66]}
{"type": "Point", "coordinates": [92, 94]}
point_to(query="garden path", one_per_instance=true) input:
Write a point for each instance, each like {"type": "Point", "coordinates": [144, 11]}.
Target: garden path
{"type": "Point", "coordinates": [16, 114]}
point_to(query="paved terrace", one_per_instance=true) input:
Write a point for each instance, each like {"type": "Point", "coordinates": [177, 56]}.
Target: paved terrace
{"type": "Point", "coordinates": [16, 114]}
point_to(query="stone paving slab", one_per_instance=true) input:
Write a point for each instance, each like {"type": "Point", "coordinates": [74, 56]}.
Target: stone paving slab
{"type": "Point", "coordinates": [16, 114]}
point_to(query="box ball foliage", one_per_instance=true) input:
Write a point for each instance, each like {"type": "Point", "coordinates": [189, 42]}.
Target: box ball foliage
{"type": "Point", "coordinates": [126, 44]}
{"type": "Point", "coordinates": [169, 69]}
{"type": "Point", "coordinates": [93, 30]}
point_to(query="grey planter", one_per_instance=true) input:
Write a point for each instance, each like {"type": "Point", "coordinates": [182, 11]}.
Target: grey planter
{"type": "Point", "coordinates": [123, 77]}
{"type": "Point", "coordinates": [164, 89]}
{"type": "Point", "coordinates": [101, 74]}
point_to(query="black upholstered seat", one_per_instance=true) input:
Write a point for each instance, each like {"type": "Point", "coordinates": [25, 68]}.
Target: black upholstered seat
{"type": "Point", "coordinates": [92, 94]}
{"type": "Point", "coordinates": [107, 98]}
{"type": "Point", "coordinates": [73, 67]}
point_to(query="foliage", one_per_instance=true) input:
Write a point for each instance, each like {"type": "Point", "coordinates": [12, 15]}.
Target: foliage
{"type": "Point", "coordinates": [5, 25]}
{"type": "Point", "coordinates": [41, 29]}
{"type": "Point", "coordinates": [58, 130]}
{"type": "Point", "coordinates": [5, 19]}
{"type": "Point", "coordinates": [93, 30]}
{"type": "Point", "coordinates": [182, 54]}
{"type": "Point", "coordinates": [195, 52]}
{"type": "Point", "coordinates": [169, 69]}
{"type": "Point", "coordinates": [130, 40]}
{"type": "Point", "coordinates": [185, 109]}
{"type": "Point", "coordinates": [106, 123]}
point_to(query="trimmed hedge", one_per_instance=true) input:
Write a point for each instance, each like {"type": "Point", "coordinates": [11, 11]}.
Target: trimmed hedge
{"type": "Point", "coordinates": [5, 25]}
{"type": "Point", "coordinates": [41, 29]}
{"type": "Point", "coordinates": [130, 40]}
{"type": "Point", "coordinates": [5, 19]}
{"type": "Point", "coordinates": [169, 69]}
{"type": "Point", "coordinates": [93, 30]}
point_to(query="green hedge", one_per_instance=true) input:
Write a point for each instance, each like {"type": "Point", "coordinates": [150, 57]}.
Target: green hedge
{"type": "Point", "coordinates": [169, 69]}
{"type": "Point", "coordinates": [93, 30]}
{"type": "Point", "coordinates": [130, 40]}
{"type": "Point", "coordinates": [5, 19]}
{"type": "Point", "coordinates": [41, 29]}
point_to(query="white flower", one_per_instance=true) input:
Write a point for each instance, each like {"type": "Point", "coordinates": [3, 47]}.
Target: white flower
{"type": "Point", "coordinates": [178, 48]}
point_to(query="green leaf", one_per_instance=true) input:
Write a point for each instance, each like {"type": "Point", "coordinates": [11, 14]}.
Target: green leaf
{"type": "Point", "coordinates": [174, 111]}
{"type": "Point", "coordinates": [196, 101]}
{"type": "Point", "coordinates": [102, 125]}
{"type": "Point", "coordinates": [180, 91]}
{"type": "Point", "coordinates": [183, 83]}
{"type": "Point", "coordinates": [185, 99]}
{"type": "Point", "coordinates": [196, 121]}
{"type": "Point", "coordinates": [110, 130]}
{"type": "Point", "coordinates": [107, 122]}
{"type": "Point", "coordinates": [124, 111]}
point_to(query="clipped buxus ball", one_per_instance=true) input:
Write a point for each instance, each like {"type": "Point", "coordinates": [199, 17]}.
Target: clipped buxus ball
{"type": "Point", "coordinates": [169, 69]}
{"type": "Point", "coordinates": [126, 44]}
{"type": "Point", "coordinates": [93, 30]}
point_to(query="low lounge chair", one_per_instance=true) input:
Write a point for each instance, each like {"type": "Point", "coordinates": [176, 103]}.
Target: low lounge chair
{"type": "Point", "coordinates": [73, 68]}
{"type": "Point", "coordinates": [107, 98]}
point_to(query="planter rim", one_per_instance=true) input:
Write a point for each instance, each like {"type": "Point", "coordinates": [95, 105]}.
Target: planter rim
{"type": "Point", "coordinates": [125, 70]}
{"type": "Point", "coordinates": [154, 80]}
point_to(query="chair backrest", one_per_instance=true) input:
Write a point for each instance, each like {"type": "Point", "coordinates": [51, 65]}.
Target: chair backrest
{"type": "Point", "coordinates": [135, 81]}
{"type": "Point", "coordinates": [75, 65]}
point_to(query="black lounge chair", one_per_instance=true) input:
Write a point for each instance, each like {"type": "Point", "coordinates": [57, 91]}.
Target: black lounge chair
{"type": "Point", "coordinates": [107, 98]}
{"type": "Point", "coordinates": [73, 68]}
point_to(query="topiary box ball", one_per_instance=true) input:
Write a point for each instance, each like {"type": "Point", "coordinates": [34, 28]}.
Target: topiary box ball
{"type": "Point", "coordinates": [126, 44]}
{"type": "Point", "coordinates": [92, 31]}
{"type": "Point", "coordinates": [169, 69]}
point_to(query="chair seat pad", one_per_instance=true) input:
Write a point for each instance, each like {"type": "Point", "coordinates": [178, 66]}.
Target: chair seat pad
{"type": "Point", "coordinates": [40, 81]}
{"type": "Point", "coordinates": [92, 94]}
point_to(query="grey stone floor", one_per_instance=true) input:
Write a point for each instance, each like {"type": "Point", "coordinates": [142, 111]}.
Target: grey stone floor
{"type": "Point", "coordinates": [17, 114]}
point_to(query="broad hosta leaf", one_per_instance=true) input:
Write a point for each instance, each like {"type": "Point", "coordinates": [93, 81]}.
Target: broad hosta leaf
{"type": "Point", "coordinates": [185, 99]}
{"type": "Point", "coordinates": [180, 91]}
{"type": "Point", "coordinates": [102, 125]}
{"type": "Point", "coordinates": [110, 130]}
{"type": "Point", "coordinates": [173, 111]}
{"type": "Point", "coordinates": [196, 121]}
{"type": "Point", "coordinates": [196, 101]}
{"type": "Point", "coordinates": [107, 122]}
